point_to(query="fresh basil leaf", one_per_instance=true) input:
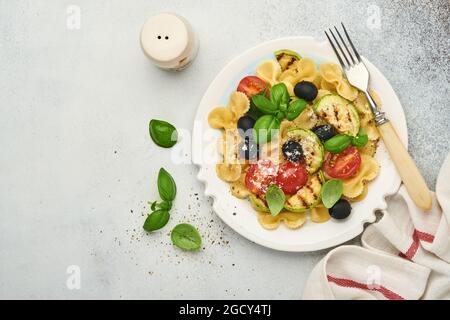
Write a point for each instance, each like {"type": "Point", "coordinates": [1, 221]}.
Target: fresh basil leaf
{"type": "Point", "coordinates": [275, 199]}
{"type": "Point", "coordinates": [156, 220]}
{"type": "Point", "coordinates": [295, 108]}
{"type": "Point", "coordinates": [265, 128]}
{"type": "Point", "coordinates": [283, 107]}
{"type": "Point", "coordinates": [166, 185]}
{"type": "Point", "coordinates": [338, 143]}
{"type": "Point", "coordinates": [153, 205]}
{"type": "Point", "coordinates": [331, 192]}
{"type": "Point", "coordinates": [254, 111]}
{"type": "Point", "coordinates": [361, 139]}
{"type": "Point", "coordinates": [186, 237]}
{"type": "Point", "coordinates": [163, 133]}
{"type": "Point", "coordinates": [264, 105]}
{"type": "Point", "coordinates": [279, 94]}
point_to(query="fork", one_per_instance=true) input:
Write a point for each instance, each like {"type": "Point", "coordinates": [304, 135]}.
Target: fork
{"type": "Point", "coordinates": [358, 76]}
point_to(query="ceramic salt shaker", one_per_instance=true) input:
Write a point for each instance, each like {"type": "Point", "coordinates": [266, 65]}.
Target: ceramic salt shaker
{"type": "Point", "coordinates": [169, 41]}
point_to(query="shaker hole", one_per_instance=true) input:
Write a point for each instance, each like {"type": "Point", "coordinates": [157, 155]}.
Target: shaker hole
{"type": "Point", "coordinates": [166, 37]}
{"type": "Point", "coordinates": [159, 37]}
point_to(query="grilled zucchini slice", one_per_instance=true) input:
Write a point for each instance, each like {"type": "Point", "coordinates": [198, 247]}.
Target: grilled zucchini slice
{"type": "Point", "coordinates": [311, 145]}
{"type": "Point", "coordinates": [287, 58]}
{"type": "Point", "coordinates": [338, 112]}
{"type": "Point", "coordinates": [258, 204]}
{"type": "Point", "coordinates": [308, 196]}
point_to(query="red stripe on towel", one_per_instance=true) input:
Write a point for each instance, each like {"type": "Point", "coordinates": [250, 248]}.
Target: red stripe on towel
{"type": "Point", "coordinates": [411, 252]}
{"type": "Point", "coordinates": [416, 238]}
{"type": "Point", "coordinates": [423, 236]}
{"type": "Point", "coordinates": [347, 283]}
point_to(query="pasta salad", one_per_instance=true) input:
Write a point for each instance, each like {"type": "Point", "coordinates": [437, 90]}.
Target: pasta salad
{"type": "Point", "coordinates": [298, 141]}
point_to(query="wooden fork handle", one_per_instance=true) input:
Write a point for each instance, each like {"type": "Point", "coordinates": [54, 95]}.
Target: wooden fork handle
{"type": "Point", "coordinates": [410, 175]}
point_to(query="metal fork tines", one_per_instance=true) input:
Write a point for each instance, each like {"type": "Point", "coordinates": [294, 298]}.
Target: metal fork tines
{"type": "Point", "coordinates": [354, 67]}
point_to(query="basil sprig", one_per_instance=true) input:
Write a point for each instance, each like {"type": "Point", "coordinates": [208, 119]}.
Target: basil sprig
{"type": "Point", "coordinates": [167, 190]}
{"type": "Point", "coordinates": [163, 133]}
{"type": "Point", "coordinates": [186, 237]}
{"type": "Point", "coordinates": [331, 192]}
{"type": "Point", "coordinates": [275, 199]}
{"type": "Point", "coordinates": [275, 109]}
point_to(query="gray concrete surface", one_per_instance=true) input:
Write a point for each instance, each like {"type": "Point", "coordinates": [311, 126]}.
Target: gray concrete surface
{"type": "Point", "coordinates": [77, 165]}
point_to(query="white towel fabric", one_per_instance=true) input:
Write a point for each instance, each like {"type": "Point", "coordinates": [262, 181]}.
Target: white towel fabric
{"type": "Point", "coordinates": [405, 255]}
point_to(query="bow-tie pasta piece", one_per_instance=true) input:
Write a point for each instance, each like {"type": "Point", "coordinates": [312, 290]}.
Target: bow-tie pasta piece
{"type": "Point", "coordinates": [268, 221]}
{"type": "Point", "coordinates": [368, 171]}
{"type": "Point", "coordinates": [362, 196]}
{"type": "Point", "coordinates": [269, 71]}
{"type": "Point", "coordinates": [238, 188]}
{"type": "Point", "coordinates": [306, 70]}
{"type": "Point", "coordinates": [291, 219]}
{"type": "Point", "coordinates": [228, 172]}
{"type": "Point", "coordinates": [346, 90]}
{"type": "Point", "coordinates": [288, 75]}
{"type": "Point", "coordinates": [318, 80]}
{"type": "Point", "coordinates": [333, 80]}
{"type": "Point", "coordinates": [307, 119]}
{"type": "Point", "coordinates": [330, 72]}
{"type": "Point", "coordinates": [221, 118]}
{"type": "Point", "coordinates": [370, 148]}
{"type": "Point", "coordinates": [319, 214]}
{"type": "Point", "coordinates": [366, 117]}
{"type": "Point", "coordinates": [238, 104]}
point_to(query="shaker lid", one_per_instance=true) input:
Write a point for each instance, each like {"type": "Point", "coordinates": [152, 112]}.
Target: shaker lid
{"type": "Point", "coordinates": [164, 37]}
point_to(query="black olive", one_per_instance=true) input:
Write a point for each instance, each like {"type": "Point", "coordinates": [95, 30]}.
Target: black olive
{"type": "Point", "coordinates": [324, 132]}
{"type": "Point", "coordinates": [292, 151]}
{"type": "Point", "coordinates": [248, 149]}
{"type": "Point", "coordinates": [341, 209]}
{"type": "Point", "coordinates": [245, 124]}
{"type": "Point", "coordinates": [306, 90]}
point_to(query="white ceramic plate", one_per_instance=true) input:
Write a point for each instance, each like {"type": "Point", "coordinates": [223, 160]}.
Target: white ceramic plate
{"type": "Point", "coordinates": [238, 213]}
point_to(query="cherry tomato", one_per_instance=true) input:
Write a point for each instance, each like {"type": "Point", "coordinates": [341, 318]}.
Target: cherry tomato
{"type": "Point", "coordinates": [251, 86]}
{"type": "Point", "coordinates": [291, 177]}
{"type": "Point", "coordinates": [342, 165]}
{"type": "Point", "coordinates": [260, 175]}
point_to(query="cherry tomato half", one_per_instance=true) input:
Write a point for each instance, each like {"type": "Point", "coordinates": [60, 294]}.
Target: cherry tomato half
{"type": "Point", "coordinates": [260, 175]}
{"type": "Point", "coordinates": [291, 177]}
{"type": "Point", "coordinates": [342, 165]}
{"type": "Point", "coordinates": [251, 86]}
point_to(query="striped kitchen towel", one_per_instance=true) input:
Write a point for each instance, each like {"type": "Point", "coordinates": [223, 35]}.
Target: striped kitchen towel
{"type": "Point", "coordinates": [405, 255]}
